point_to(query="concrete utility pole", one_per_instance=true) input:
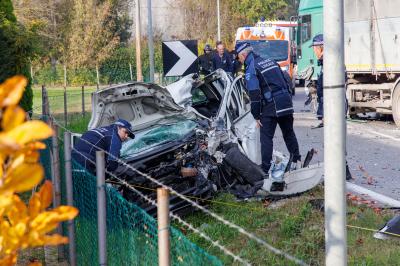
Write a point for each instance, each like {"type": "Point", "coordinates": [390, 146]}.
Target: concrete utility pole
{"type": "Point", "coordinates": [139, 75]}
{"type": "Point", "coordinates": [334, 134]}
{"type": "Point", "coordinates": [150, 40]}
{"type": "Point", "coordinates": [219, 20]}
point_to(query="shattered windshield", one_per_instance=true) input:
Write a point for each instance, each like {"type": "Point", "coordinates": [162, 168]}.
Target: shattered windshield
{"type": "Point", "coordinates": [276, 50]}
{"type": "Point", "coordinates": [157, 135]}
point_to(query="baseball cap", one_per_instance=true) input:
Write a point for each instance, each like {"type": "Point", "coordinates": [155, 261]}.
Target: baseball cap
{"type": "Point", "coordinates": [125, 124]}
{"type": "Point", "coordinates": [239, 47]}
{"type": "Point", "coordinates": [317, 40]}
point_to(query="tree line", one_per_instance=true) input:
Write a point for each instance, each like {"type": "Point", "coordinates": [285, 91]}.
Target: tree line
{"type": "Point", "coordinates": [39, 37]}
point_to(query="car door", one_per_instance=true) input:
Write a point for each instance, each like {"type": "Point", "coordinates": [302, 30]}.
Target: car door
{"type": "Point", "coordinates": [240, 121]}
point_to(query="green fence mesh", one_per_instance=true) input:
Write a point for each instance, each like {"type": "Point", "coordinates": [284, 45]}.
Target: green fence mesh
{"type": "Point", "coordinates": [131, 232]}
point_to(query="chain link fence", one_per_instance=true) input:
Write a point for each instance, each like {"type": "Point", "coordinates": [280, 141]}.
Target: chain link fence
{"type": "Point", "coordinates": [131, 233]}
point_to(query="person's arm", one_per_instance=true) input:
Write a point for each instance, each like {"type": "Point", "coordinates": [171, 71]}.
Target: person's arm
{"type": "Point", "coordinates": [253, 88]}
{"type": "Point", "coordinates": [213, 62]}
{"type": "Point", "coordinates": [114, 152]}
{"type": "Point", "coordinates": [229, 63]}
{"type": "Point", "coordinates": [320, 85]}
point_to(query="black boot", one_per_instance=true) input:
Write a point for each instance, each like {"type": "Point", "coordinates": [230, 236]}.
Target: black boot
{"type": "Point", "coordinates": [348, 174]}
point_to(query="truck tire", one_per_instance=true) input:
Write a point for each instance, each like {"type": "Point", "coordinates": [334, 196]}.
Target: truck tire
{"type": "Point", "coordinates": [396, 105]}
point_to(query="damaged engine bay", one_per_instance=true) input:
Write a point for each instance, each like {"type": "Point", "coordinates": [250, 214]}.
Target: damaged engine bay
{"type": "Point", "coordinates": [197, 159]}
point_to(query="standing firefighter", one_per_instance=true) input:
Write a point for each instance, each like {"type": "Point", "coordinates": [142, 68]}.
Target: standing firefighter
{"type": "Point", "coordinates": [318, 47]}
{"type": "Point", "coordinates": [107, 138]}
{"type": "Point", "coordinates": [271, 104]}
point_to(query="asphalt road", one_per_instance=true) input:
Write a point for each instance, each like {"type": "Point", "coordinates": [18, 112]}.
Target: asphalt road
{"type": "Point", "coordinates": [373, 146]}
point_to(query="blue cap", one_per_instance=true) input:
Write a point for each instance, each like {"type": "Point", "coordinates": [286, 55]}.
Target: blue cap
{"type": "Point", "coordinates": [125, 124]}
{"type": "Point", "coordinates": [317, 40]}
{"type": "Point", "coordinates": [240, 46]}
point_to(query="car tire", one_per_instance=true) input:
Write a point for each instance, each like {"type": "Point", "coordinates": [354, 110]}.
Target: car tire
{"type": "Point", "coordinates": [396, 104]}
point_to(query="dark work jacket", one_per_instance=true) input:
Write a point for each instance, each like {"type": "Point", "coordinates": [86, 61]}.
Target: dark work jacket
{"type": "Point", "coordinates": [104, 138]}
{"type": "Point", "coordinates": [205, 63]}
{"type": "Point", "coordinates": [267, 87]}
{"type": "Point", "coordinates": [224, 62]}
{"type": "Point", "coordinates": [320, 80]}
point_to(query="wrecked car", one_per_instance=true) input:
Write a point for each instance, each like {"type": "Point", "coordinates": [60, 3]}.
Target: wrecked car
{"type": "Point", "coordinates": [197, 136]}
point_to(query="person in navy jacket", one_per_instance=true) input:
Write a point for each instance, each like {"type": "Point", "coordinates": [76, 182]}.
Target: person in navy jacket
{"type": "Point", "coordinates": [107, 138]}
{"type": "Point", "coordinates": [222, 59]}
{"type": "Point", "coordinates": [318, 48]}
{"type": "Point", "coordinates": [271, 104]}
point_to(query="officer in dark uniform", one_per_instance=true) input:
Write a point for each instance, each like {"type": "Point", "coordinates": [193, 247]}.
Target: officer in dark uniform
{"type": "Point", "coordinates": [236, 65]}
{"type": "Point", "coordinates": [271, 102]}
{"type": "Point", "coordinates": [318, 47]}
{"type": "Point", "coordinates": [107, 138]}
{"type": "Point", "coordinates": [205, 60]}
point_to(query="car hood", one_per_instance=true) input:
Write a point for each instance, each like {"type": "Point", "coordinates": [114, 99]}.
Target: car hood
{"type": "Point", "coordinates": [142, 104]}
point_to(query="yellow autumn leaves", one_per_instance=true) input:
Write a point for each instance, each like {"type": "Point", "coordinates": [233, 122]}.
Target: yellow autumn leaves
{"type": "Point", "coordinates": [23, 226]}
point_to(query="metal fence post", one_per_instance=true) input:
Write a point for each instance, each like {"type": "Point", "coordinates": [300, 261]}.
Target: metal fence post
{"type": "Point", "coordinates": [70, 196]}
{"type": "Point", "coordinates": [101, 207]}
{"type": "Point", "coordinates": [65, 107]}
{"type": "Point", "coordinates": [163, 227]}
{"type": "Point", "coordinates": [97, 77]}
{"type": "Point", "coordinates": [56, 179]}
{"type": "Point", "coordinates": [130, 71]}
{"type": "Point", "coordinates": [45, 104]}
{"type": "Point", "coordinates": [83, 100]}
{"type": "Point", "coordinates": [43, 100]}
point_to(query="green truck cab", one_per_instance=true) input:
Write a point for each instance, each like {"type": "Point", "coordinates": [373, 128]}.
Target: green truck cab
{"type": "Point", "coordinates": [310, 24]}
{"type": "Point", "coordinates": [371, 52]}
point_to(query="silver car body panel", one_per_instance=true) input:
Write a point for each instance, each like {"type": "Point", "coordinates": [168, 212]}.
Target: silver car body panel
{"type": "Point", "coordinates": [141, 104]}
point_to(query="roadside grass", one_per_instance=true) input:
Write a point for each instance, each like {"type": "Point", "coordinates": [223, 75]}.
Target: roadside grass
{"type": "Point", "coordinates": [293, 225]}
{"type": "Point", "coordinates": [56, 99]}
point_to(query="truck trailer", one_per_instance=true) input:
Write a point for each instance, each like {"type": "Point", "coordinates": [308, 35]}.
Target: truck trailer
{"type": "Point", "coordinates": [372, 52]}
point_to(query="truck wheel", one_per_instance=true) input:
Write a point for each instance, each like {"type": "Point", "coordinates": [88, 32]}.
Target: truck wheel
{"type": "Point", "coordinates": [396, 105]}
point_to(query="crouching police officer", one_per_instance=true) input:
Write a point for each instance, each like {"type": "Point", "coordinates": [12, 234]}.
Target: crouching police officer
{"type": "Point", "coordinates": [271, 103]}
{"type": "Point", "coordinates": [107, 138]}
